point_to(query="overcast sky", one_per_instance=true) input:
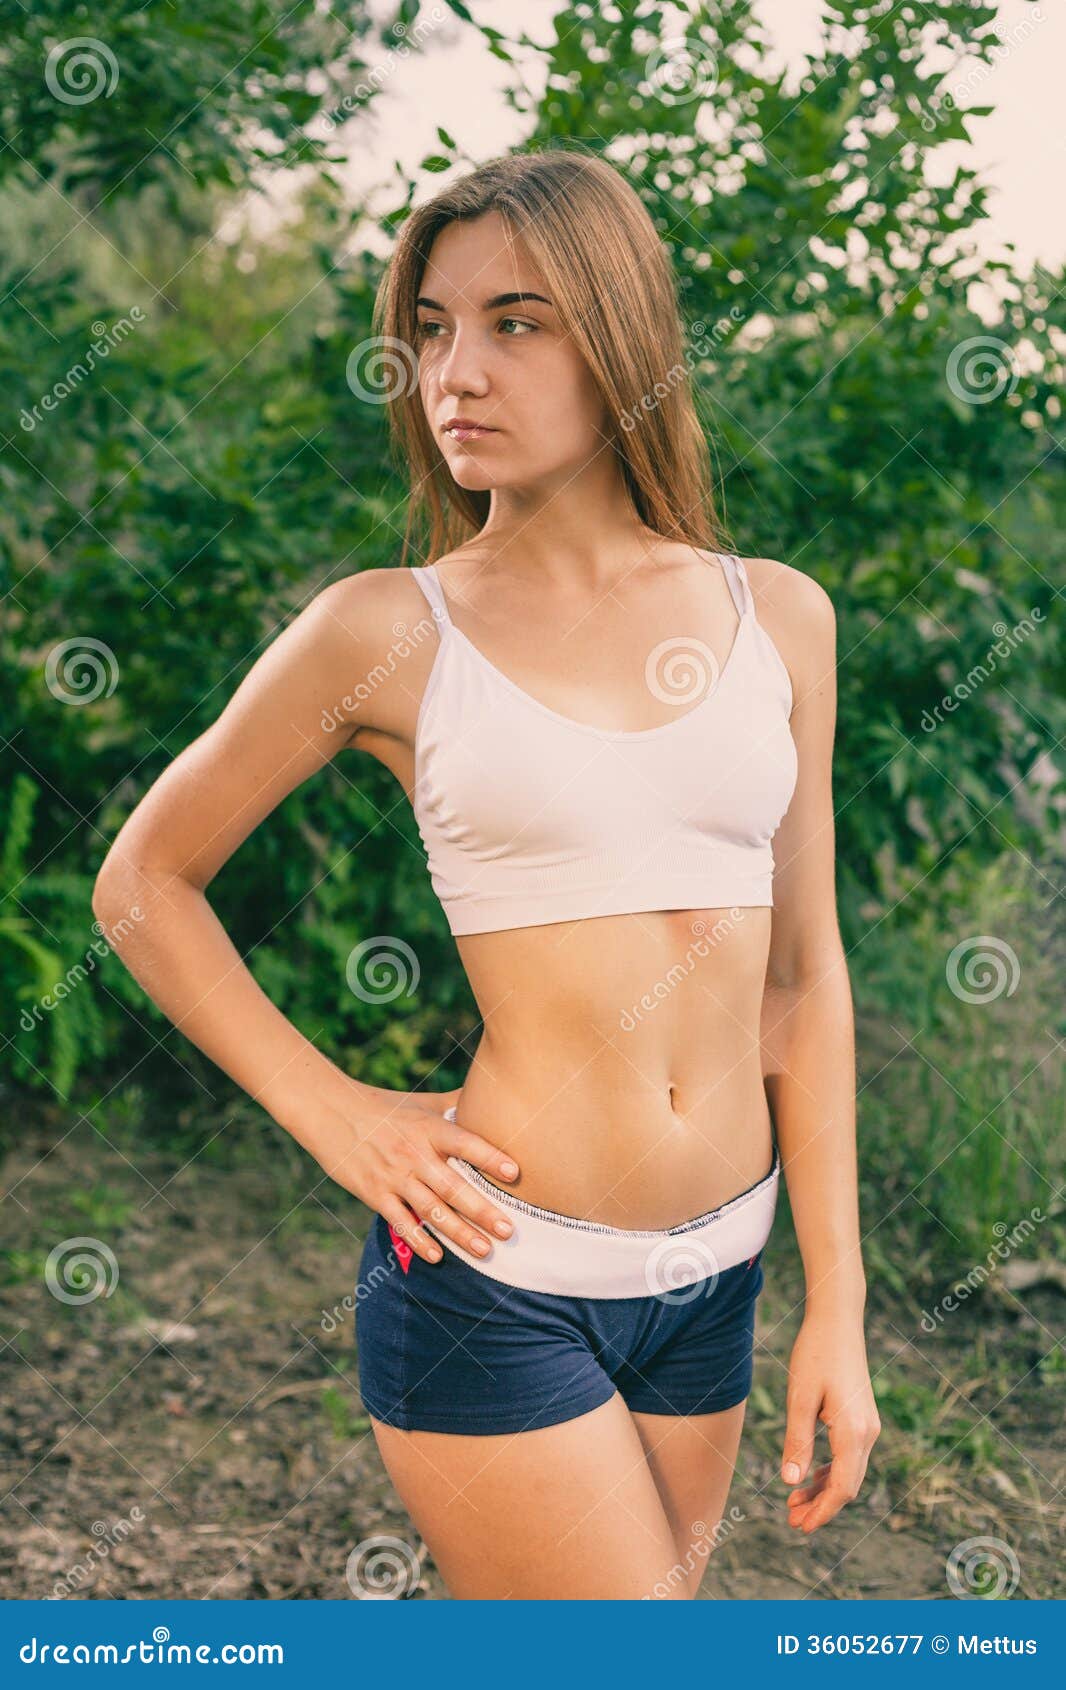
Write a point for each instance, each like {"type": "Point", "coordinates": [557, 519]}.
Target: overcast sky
{"type": "Point", "coordinates": [1020, 149]}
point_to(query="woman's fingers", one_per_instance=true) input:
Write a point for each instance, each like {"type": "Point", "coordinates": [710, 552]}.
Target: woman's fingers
{"type": "Point", "coordinates": [435, 1206]}
{"type": "Point", "coordinates": [412, 1233]}
{"type": "Point", "coordinates": [453, 1140]}
{"type": "Point", "coordinates": [493, 1220]}
{"type": "Point", "coordinates": [837, 1485]}
{"type": "Point", "coordinates": [816, 1484]}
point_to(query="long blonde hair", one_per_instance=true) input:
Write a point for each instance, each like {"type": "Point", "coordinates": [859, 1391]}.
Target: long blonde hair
{"type": "Point", "coordinates": [611, 281]}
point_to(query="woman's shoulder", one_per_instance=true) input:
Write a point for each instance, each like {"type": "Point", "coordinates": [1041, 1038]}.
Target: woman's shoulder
{"type": "Point", "coordinates": [368, 603]}
{"type": "Point", "coordinates": [793, 591]}
{"type": "Point", "coordinates": [797, 614]}
{"type": "Point", "coordinates": [364, 632]}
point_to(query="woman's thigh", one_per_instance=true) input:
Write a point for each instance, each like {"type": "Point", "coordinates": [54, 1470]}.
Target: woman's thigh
{"type": "Point", "coordinates": [569, 1511]}
{"type": "Point", "coordinates": [692, 1459]}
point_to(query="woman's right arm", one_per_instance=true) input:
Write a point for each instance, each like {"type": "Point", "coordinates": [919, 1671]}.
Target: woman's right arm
{"type": "Point", "coordinates": [385, 1147]}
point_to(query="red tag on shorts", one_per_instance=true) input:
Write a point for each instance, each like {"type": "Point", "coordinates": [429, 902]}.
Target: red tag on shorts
{"type": "Point", "coordinates": [403, 1250]}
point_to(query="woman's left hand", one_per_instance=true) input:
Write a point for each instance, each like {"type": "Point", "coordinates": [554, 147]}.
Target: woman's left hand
{"type": "Point", "coordinates": [828, 1380]}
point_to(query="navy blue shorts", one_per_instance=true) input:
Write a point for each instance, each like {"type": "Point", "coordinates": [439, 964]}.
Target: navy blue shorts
{"type": "Point", "coordinates": [444, 1347]}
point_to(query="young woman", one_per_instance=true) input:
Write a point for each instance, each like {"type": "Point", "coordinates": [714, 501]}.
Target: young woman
{"type": "Point", "coordinates": [601, 721]}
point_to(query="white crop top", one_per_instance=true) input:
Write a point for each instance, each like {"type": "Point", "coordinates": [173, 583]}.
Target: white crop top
{"type": "Point", "coordinates": [528, 816]}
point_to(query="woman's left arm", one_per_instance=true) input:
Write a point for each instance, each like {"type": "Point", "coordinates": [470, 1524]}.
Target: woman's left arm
{"type": "Point", "coordinates": [809, 1061]}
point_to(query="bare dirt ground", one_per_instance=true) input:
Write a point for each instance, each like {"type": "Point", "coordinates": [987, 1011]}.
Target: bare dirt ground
{"type": "Point", "coordinates": [232, 1457]}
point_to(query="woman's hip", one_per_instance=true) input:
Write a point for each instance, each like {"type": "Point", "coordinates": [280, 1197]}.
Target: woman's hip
{"type": "Point", "coordinates": [564, 1254]}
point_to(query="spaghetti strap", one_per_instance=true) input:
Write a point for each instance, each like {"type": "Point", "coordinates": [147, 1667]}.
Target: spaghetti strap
{"type": "Point", "coordinates": [426, 576]}
{"type": "Point", "coordinates": [736, 576]}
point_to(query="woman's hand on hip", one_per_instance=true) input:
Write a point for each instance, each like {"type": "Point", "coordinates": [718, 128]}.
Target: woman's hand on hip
{"type": "Point", "coordinates": [397, 1163]}
{"type": "Point", "coordinates": [828, 1380]}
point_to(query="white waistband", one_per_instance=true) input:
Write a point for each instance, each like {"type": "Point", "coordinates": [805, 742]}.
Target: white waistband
{"type": "Point", "coordinates": [571, 1257]}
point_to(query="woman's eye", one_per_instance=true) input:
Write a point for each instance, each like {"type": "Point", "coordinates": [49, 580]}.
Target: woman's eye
{"type": "Point", "coordinates": [425, 329]}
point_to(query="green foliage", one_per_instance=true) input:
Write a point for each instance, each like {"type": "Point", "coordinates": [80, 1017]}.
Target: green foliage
{"type": "Point", "coordinates": [930, 1430]}
{"type": "Point", "coordinates": [49, 950]}
{"type": "Point", "coordinates": [960, 1100]}
{"type": "Point", "coordinates": [157, 93]}
{"type": "Point", "coordinates": [343, 1421]}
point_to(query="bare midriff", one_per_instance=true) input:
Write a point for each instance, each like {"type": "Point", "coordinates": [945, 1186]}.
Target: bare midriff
{"type": "Point", "coordinates": [620, 1061]}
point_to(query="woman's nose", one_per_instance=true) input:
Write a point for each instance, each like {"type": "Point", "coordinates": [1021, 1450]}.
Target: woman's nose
{"type": "Point", "coordinates": [462, 369]}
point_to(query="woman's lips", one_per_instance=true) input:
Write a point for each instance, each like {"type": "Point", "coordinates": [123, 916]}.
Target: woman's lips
{"type": "Point", "coordinates": [460, 433]}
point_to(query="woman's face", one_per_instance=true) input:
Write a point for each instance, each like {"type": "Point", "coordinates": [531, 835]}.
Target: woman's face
{"type": "Point", "coordinates": [491, 350]}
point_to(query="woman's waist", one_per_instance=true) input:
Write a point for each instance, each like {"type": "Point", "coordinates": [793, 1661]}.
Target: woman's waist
{"type": "Point", "coordinates": [550, 1251]}
{"type": "Point", "coordinates": [622, 1149]}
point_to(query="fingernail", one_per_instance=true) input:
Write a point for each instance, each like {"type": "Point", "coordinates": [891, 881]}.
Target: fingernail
{"type": "Point", "coordinates": [792, 1474]}
{"type": "Point", "coordinates": [509, 1167]}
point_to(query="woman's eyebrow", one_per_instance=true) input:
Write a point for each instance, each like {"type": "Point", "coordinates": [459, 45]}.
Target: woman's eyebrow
{"type": "Point", "coordinates": [492, 304]}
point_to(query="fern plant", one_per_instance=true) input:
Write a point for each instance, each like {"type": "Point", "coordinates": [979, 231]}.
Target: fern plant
{"type": "Point", "coordinates": [49, 949]}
